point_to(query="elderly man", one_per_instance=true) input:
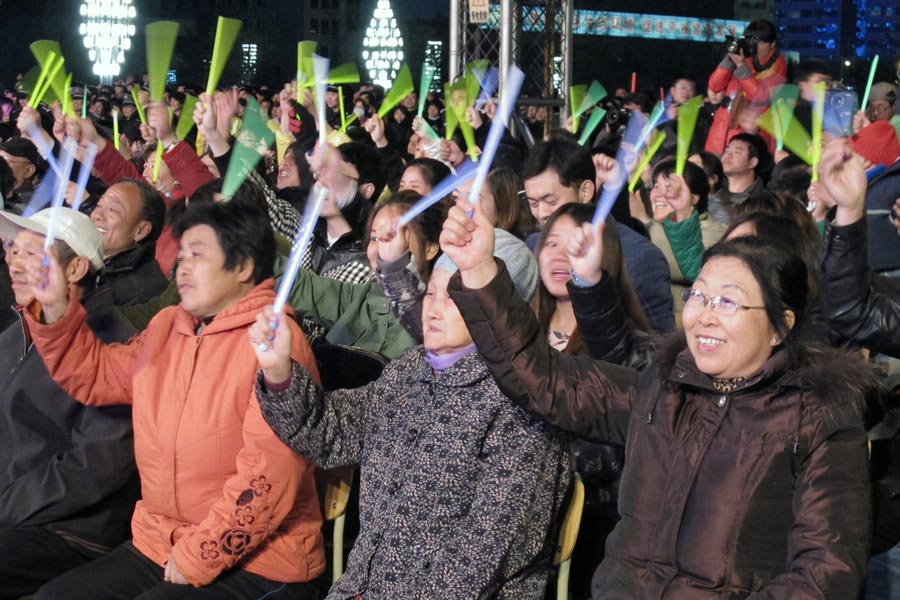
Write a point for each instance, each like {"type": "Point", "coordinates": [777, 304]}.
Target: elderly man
{"type": "Point", "coordinates": [68, 482]}
{"type": "Point", "coordinates": [130, 217]}
{"type": "Point", "coordinates": [27, 165]}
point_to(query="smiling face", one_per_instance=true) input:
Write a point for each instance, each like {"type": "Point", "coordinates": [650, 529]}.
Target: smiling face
{"type": "Point", "coordinates": [553, 260]}
{"type": "Point", "coordinates": [117, 217]}
{"type": "Point", "coordinates": [205, 286]}
{"type": "Point", "coordinates": [443, 327]}
{"type": "Point", "coordinates": [288, 173]}
{"type": "Point", "coordinates": [728, 345]}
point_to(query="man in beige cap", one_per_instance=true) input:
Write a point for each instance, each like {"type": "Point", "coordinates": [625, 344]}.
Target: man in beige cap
{"type": "Point", "coordinates": [68, 481]}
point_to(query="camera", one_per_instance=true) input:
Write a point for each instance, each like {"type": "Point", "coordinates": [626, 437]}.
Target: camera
{"type": "Point", "coordinates": [745, 45]}
{"type": "Point", "coordinates": [617, 117]}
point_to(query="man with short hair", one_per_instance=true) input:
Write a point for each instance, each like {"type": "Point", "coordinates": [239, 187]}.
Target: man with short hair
{"type": "Point", "coordinates": [559, 172]}
{"type": "Point", "coordinates": [810, 74]}
{"type": "Point", "coordinates": [744, 158]}
{"type": "Point", "coordinates": [130, 216]}
{"type": "Point", "coordinates": [68, 482]}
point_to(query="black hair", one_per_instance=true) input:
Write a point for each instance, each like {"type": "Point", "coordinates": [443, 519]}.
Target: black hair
{"type": "Point", "coordinates": [758, 149]}
{"type": "Point", "coordinates": [569, 160]}
{"type": "Point", "coordinates": [642, 99]}
{"type": "Point", "coordinates": [153, 209]}
{"type": "Point", "coordinates": [787, 233]}
{"type": "Point", "coordinates": [694, 176]}
{"type": "Point", "coordinates": [762, 30]}
{"type": "Point", "coordinates": [242, 230]}
{"type": "Point", "coordinates": [66, 254]}
{"type": "Point", "coordinates": [712, 166]}
{"type": "Point", "coordinates": [782, 279]}
{"type": "Point", "coordinates": [367, 163]}
{"type": "Point", "coordinates": [433, 171]}
{"type": "Point", "coordinates": [808, 68]}
{"type": "Point", "coordinates": [613, 263]}
{"type": "Point", "coordinates": [427, 225]}
{"type": "Point", "coordinates": [513, 214]}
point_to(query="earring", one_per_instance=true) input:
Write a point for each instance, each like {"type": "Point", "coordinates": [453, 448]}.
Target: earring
{"type": "Point", "coordinates": [774, 340]}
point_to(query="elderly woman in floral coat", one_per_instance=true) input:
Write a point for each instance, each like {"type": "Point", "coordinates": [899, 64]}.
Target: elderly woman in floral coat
{"type": "Point", "coordinates": [460, 490]}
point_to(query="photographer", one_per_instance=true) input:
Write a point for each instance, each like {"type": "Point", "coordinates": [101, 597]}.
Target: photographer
{"type": "Point", "coordinates": [751, 68]}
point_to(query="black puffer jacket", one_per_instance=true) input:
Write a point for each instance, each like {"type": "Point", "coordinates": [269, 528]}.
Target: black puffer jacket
{"type": "Point", "coordinates": [859, 304]}
{"type": "Point", "coordinates": [134, 275]}
{"type": "Point", "coordinates": [760, 492]}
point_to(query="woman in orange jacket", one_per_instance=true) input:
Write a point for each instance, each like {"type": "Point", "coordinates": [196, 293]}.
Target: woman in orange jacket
{"type": "Point", "coordinates": [225, 505]}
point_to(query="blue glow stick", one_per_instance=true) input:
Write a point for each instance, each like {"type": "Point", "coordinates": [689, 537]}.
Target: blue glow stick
{"type": "Point", "coordinates": [301, 243]}
{"type": "Point", "coordinates": [464, 173]}
{"type": "Point", "coordinates": [44, 149]}
{"type": "Point", "coordinates": [655, 119]}
{"type": "Point", "coordinates": [90, 153]}
{"type": "Point", "coordinates": [68, 157]}
{"type": "Point", "coordinates": [43, 193]}
{"type": "Point", "coordinates": [627, 154]}
{"type": "Point", "coordinates": [514, 80]}
{"type": "Point", "coordinates": [320, 72]}
{"type": "Point", "coordinates": [489, 84]}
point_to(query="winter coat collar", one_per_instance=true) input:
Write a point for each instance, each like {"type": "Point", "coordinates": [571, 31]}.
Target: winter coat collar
{"type": "Point", "coordinates": [241, 314]}
{"type": "Point", "coordinates": [466, 372]}
{"type": "Point", "coordinates": [129, 260]}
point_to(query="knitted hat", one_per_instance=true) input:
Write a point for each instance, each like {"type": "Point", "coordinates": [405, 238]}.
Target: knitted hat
{"type": "Point", "coordinates": [520, 262]}
{"type": "Point", "coordinates": [877, 143]}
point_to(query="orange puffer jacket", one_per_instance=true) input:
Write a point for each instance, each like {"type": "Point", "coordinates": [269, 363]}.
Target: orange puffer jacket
{"type": "Point", "coordinates": [219, 489]}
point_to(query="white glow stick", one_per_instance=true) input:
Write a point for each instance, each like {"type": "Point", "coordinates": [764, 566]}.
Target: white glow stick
{"type": "Point", "coordinates": [514, 80]}
{"type": "Point", "coordinates": [44, 149]}
{"type": "Point", "coordinates": [627, 154]}
{"type": "Point", "coordinates": [464, 173]}
{"type": "Point", "coordinates": [320, 72]}
{"type": "Point", "coordinates": [301, 243]}
{"type": "Point", "coordinates": [90, 153]}
{"type": "Point", "coordinates": [68, 157]}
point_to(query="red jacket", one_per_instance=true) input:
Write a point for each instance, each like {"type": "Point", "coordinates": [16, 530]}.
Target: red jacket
{"type": "Point", "coordinates": [742, 84]}
{"type": "Point", "coordinates": [218, 487]}
{"type": "Point", "coordinates": [186, 167]}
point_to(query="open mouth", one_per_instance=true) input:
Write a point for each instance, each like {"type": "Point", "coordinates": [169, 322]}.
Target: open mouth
{"type": "Point", "coordinates": [709, 343]}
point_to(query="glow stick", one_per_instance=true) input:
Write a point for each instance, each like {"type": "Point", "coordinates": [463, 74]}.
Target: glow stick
{"type": "Point", "coordinates": [115, 116]}
{"type": "Point", "coordinates": [872, 69]}
{"type": "Point", "coordinates": [687, 121]}
{"type": "Point", "coordinates": [186, 118]}
{"type": "Point", "coordinates": [514, 80]}
{"type": "Point", "coordinates": [84, 103]}
{"type": "Point", "coordinates": [633, 81]}
{"type": "Point", "coordinates": [627, 153]}
{"type": "Point", "coordinates": [226, 32]}
{"type": "Point", "coordinates": [157, 160]}
{"type": "Point", "coordinates": [401, 88]}
{"type": "Point", "coordinates": [489, 84]}
{"type": "Point", "coordinates": [68, 156]}
{"type": "Point", "coordinates": [591, 125]}
{"type": "Point", "coordinates": [818, 117]}
{"type": "Point", "coordinates": [341, 106]}
{"type": "Point", "coordinates": [795, 137]}
{"type": "Point", "coordinates": [84, 172]}
{"type": "Point", "coordinates": [301, 243]}
{"type": "Point", "coordinates": [648, 155]}
{"type": "Point", "coordinates": [142, 116]}
{"type": "Point", "coordinates": [320, 70]}
{"type": "Point", "coordinates": [655, 119]}
{"type": "Point", "coordinates": [424, 84]}
{"type": "Point", "coordinates": [39, 84]}
{"type": "Point", "coordinates": [45, 149]}
{"type": "Point", "coordinates": [465, 172]}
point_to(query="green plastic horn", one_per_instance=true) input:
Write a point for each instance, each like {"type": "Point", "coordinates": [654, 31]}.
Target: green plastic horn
{"type": "Point", "coordinates": [687, 121]}
{"type": "Point", "coordinates": [402, 87]}
{"type": "Point", "coordinates": [161, 37]}
{"type": "Point", "coordinates": [305, 51]}
{"type": "Point", "coordinates": [226, 33]}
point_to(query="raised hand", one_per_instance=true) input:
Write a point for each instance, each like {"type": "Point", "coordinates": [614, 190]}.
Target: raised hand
{"type": "Point", "coordinates": [678, 195]}
{"type": "Point", "coordinates": [89, 134]}
{"type": "Point", "coordinates": [585, 250]}
{"type": "Point", "coordinates": [158, 120]}
{"type": "Point", "coordinates": [843, 174]}
{"type": "Point", "coordinates": [468, 240]}
{"type": "Point", "coordinates": [393, 241]}
{"type": "Point", "coordinates": [48, 283]}
{"type": "Point", "coordinates": [271, 339]}
{"type": "Point", "coordinates": [375, 126]}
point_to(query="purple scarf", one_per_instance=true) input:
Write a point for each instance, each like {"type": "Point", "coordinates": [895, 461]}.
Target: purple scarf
{"type": "Point", "coordinates": [442, 362]}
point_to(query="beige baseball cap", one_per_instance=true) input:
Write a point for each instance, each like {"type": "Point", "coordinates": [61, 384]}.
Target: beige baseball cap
{"type": "Point", "coordinates": [72, 227]}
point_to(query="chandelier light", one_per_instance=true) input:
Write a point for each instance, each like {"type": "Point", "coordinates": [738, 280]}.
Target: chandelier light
{"type": "Point", "coordinates": [383, 45]}
{"type": "Point", "coordinates": [107, 27]}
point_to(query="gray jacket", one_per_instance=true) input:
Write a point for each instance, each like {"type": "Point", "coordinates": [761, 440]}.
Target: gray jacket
{"type": "Point", "coordinates": [460, 490]}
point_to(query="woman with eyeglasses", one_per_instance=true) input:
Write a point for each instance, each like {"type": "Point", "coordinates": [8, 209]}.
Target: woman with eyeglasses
{"type": "Point", "coordinates": [746, 469]}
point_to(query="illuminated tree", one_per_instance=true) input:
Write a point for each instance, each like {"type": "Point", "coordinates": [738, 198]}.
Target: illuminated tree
{"type": "Point", "coordinates": [383, 45]}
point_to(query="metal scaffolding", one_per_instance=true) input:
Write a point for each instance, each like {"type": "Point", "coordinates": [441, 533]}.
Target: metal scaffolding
{"type": "Point", "coordinates": [542, 49]}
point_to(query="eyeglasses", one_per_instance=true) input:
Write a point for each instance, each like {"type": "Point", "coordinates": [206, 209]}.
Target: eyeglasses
{"type": "Point", "coordinates": [719, 304]}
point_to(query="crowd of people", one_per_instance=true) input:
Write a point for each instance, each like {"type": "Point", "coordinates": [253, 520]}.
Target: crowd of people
{"type": "Point", "coordinates": [717, 362]}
